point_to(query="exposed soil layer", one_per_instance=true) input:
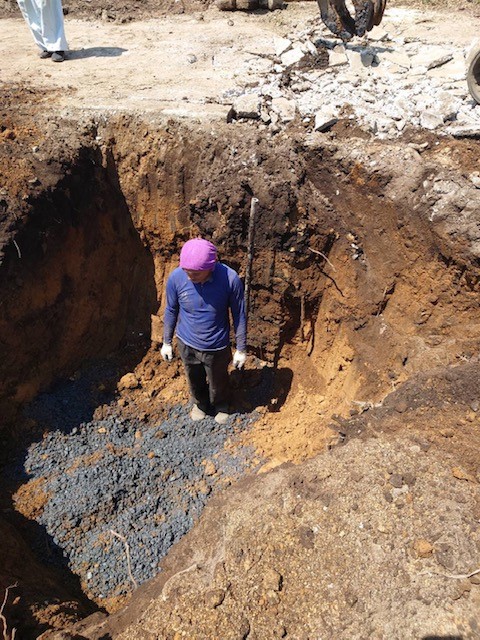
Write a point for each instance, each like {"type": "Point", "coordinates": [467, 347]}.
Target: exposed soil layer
{"type": "Point", "coordinates": [364, 330]}
{"type": "Point", "coordinates": [116, 10]}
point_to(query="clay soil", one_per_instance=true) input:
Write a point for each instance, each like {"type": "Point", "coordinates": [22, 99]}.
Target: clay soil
{"type": "Point", "coordinates": [363, 341]}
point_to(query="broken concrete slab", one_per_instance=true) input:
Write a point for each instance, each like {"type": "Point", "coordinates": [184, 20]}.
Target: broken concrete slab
{"type": "Point", "coordinates": [281, 45]}
{"type": "Point", "coordinates": [394, 111]}
{"type": "Point", "coordinates": [247, 106]}
{"type": "Point", "coordinates": [439, 62]}
{"type": "Point", "coordinates": [292, 56]}
{"type": "Point", "coordinates": [337, 57]}
{"type": "Point", "coordinates": [395, 57]}
{"type": "Point", "coordinates": [429, 120]}
{"type": "Point", "coordinates": [284, 108]}
{"type": "Point", "coordinates": [358, 60]}
{"type": "Point", "coordinates": [387, 69]}
{"type": "Point", "coordinates": [464, 131]}
{"type": "Point", "coordinates": [379, 35]}
{"type": "Point", "coordinates": [454, 70]}
{"type": "Point", "coordinates": [309, 47]}
{"type": "Point", "coordinates": [447, 106]}
{"type": "Point", "coordinates": [325, 118]}
{"type": "Point", "coordinates": [382, 124]}
{"type": "Point", "coordinates": [431, 57]}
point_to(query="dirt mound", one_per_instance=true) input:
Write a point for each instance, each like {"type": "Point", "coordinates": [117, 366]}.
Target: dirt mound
{"type": "Point", "coordinates": [39, 596]}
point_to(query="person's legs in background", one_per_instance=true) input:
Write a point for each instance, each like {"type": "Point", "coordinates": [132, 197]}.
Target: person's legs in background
{"type": "Point", "coordinates": [53, 27]}
{"type": "Point", "coordinates": [45, 20]}
{"type": "Point", "coordinates": [32, 14]}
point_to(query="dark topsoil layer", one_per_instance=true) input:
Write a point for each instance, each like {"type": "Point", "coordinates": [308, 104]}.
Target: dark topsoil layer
{"type": "Point", "coordinates": [118, 10]}
{"type": "Point", "coordinates": [122, 11]}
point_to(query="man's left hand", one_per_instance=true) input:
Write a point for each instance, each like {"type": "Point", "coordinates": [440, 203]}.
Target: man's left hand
{"type": "Point", "coordinates": [239, 358]}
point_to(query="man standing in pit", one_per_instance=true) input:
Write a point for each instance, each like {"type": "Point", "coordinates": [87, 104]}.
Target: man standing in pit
{"type": "Point", "coordinates": [200, 294]}
{"type": "Point", "coordinates": [45, 19]}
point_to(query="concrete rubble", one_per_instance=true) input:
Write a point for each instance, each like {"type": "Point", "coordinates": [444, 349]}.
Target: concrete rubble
{"type": "Point", "coordinates": [383, 83]}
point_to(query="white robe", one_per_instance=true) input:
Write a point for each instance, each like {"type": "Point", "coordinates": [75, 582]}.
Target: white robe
{"type": "Point", "coordinates": [45, 19]}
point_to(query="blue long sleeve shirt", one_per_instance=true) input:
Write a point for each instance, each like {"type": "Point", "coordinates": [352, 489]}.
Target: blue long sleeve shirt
{"type": "Point", "coordinates": [200, 312]}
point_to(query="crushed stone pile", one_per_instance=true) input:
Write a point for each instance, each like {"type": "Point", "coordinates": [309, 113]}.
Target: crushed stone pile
{"type": "Point", "coordinates": [106, 485]}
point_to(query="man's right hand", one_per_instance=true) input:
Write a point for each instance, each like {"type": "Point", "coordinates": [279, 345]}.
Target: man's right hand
{"type": "Point", "coordinates": [239, 358]}
{"type": "Point", "coordinates": [166, 351]}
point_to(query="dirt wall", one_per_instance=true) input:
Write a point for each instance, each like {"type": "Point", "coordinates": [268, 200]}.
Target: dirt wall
{"type": "Point", "coordinates": [350, 277]}
{"type": "Point", "coordinates": [75, 282]}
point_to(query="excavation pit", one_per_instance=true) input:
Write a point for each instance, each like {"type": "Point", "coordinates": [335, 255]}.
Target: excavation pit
{"type": "Point", "coordinates": [352, 296]}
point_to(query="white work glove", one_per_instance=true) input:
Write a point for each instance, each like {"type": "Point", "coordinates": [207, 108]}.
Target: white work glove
{"type": "Point", "coordinates": [239, 358]}
{"type": "Point", "coordinates": [166, 351]}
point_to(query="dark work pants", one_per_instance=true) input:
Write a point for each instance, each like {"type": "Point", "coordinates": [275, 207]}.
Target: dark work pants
{"type": "Point", "coordinates": [207, 375]}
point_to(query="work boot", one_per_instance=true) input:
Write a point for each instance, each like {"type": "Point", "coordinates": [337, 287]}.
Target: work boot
{"type": "Point", "coordinates": [45, 54]}
{"type": "Point", "coordinates": [58, 56]}
{"type": "Point", "coordinates": [197, 414]}
{"type": "Point", "coordinates": [222, 417]}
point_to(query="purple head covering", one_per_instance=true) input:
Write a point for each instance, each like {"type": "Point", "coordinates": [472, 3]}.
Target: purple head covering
{"type": "Point", "coordinates": [198, 255]}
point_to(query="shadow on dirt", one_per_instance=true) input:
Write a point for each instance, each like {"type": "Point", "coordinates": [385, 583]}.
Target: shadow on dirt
{"type": "Point", "coordinates": [96, 52]}
{"type": "Point", "coordinates": [259, 387]}
{"type": "Point", "coordinates": [73, 400]}
{"type": "Point", "coordinates": [83, 289]}
{"type": "Point", "coordinates": [50, 584]}
{"type": "Point", "coordinates": [84, 286]}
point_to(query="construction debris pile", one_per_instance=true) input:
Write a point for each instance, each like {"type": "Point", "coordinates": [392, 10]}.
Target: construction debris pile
{"type": "Point", "coordinates": [384, 84]}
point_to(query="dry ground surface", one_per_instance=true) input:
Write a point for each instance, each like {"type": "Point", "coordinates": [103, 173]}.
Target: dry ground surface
{"type": "Point", "coordinates": [144, 65]}
{"type": "Point", "coordinates": [365, 305]}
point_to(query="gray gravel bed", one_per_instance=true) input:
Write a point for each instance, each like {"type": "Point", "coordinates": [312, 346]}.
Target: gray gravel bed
{"type": "Point", "coordinates": [146, 483]}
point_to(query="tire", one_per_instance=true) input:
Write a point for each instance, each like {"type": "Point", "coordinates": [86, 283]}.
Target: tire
{"type": "Point", "coordinates": [473, 77]}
